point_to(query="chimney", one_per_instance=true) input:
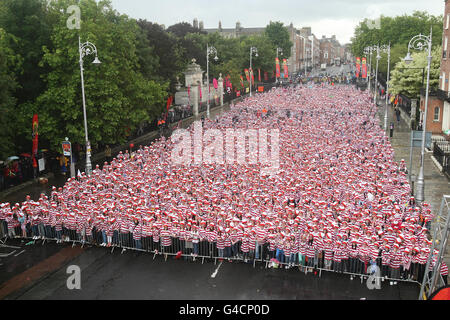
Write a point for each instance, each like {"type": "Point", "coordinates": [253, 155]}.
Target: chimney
{"type": "Point", "coordinates": [200, 25]}
{"type": "Point", "coordinates": [195, 24]}
{"type": "Point", "coordinates": [220, 25]}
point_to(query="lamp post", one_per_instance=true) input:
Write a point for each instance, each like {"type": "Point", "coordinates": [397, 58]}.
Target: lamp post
{"type": "Point", "coordinates": [209, 50]}
{"type": "Point", "coordinates": [86, 49]}
{"type": "Point", "coordinates": [252, 50]}
{"type": "Point", "coordinates": [378, 57]}
{"type": "Point", "coordinates": [368, 51]}
{"type": "Point", "coordinates": [388, 49]}
{"type": "Point", "coordinates": [279, 51]}
{"type": "Point", "coordinates": [420, 42]}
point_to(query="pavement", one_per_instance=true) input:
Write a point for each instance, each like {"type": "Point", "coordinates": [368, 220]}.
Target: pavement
{"type": "Point", "coordinates": [436, 183]}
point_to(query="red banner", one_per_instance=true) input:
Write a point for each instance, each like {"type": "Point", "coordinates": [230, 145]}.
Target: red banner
{"type": "Point", "coordinates": [189, 95]}
{"type": "Point", "coordinates": [259, 75]}
{"type": "Point", "coordinates": [285, 67]}
{"type": "Point", "coordinates": [266, 76]}
{"type": "Point", "coordinates": [35, 135]}
{"type": "Point", "coordinates": [247, 75]}
{"type": "Point", "coordinates": [251, 75]}
{"type": "Point", "coordinates": [277, 67]}
{"type": "Point", "coordinates": [358, 66]}
{"type": "Point", "coordinates": [242, 81]}
{"type": "Point", "coordinates": [364, 68]}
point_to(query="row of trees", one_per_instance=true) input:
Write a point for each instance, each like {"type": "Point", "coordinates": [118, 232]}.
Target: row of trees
{"type": "Point", "coordinates": [141, 60]}
{"type": "Point", "coordinates": [398, 31]}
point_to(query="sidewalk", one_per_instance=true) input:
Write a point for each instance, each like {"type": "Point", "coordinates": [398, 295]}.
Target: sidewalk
{"type": "Point", "coordinates": [436, 183]}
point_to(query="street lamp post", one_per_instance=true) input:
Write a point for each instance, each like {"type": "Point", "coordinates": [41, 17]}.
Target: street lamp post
{"type": "Point", "coordinates": [209, 50]}
{"type": "Point", "coordinates": [420, 42]}
{"type": "Point", "coordinates": [252, 50]}
{"type": "Point", "coordinates": [86, 49]}
{"type": "Point", "coordinates": [388, 49]}
{"type": "Point", "coordinates": [368, 53]}
{"type": "Point", "coordinates": [378, 57]}
{"type": "Point", "coordinates": [279, 51]}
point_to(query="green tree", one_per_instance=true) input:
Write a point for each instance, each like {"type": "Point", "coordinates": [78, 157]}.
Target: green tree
{"type": "Point", "coordinates": [408, 81]}
{"type": "Point", "coordinates": [181, 29]}
{"type": "Point", "coordinates": [118, 97]}
{"type": "Point", "coordinates": [398, 31]}
{"type": "Point", "coordinates": [9, 65]}
{"type": "Point", "coordinates": [278, 35]}
{"type": "Point", "coordinates": [27, 21]}
{"type": "Point", "coordinates": [168, 50]}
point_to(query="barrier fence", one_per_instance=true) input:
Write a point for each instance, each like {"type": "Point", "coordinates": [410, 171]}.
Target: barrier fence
{"type": "Point", "coordinates": [202, 249]}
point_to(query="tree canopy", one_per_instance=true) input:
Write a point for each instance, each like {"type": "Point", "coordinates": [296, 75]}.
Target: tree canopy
{"type": "Point", "coordinates": [141, 61]}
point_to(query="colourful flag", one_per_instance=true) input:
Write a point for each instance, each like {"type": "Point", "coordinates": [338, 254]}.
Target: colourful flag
{"type": "Point", "coordinates": [358, 66]}
{"type": "Point", "coordinates": [242, 81]}
{"type": "Point", "coordinates": [35, 135]}
{"type": "Point", "coordinates": [247, 75]}
{"type": "Point", "coordinates": [266, 76]}
{"type": "Point", "coordinates": [285, 67]}
{"type": "Point", "coordinates": [277, 67]}
{"type": "Point", "coordinates": [364, 68]}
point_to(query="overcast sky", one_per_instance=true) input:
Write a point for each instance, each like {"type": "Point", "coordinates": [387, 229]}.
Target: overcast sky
{"type": "Point", "coordinates": [325, 17]}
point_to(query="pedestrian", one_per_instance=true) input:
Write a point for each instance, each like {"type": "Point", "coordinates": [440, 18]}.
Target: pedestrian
{"type": "Point", "coordinates": [391, 130]}
{"type": "Point", "coordinates": [108, 153]}
{"type": "Point", "coordinates": [397, 113]}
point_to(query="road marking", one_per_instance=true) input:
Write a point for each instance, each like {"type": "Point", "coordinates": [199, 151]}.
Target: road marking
{"type": "Point", "coordinates": [217, 270]}
{"type": "Point", "coordinates": [17, 254]}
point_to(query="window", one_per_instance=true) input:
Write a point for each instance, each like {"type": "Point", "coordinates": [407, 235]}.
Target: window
{"type": "Point", "coordinates": [448, 21]}
{"type": "Point", "coordinates": [443, 82]}
{"type": "Point", "coordinates": [437, 111]}
{"type": "Point", "coordinates": [444, 55]}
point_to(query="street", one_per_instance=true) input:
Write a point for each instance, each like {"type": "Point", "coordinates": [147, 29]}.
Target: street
{"type": "Point", "coordinates": [106, 275]}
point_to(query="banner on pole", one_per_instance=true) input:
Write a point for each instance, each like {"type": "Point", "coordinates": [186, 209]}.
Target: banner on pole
{"type": "Point", "coordinates": [247, 75]}
{"type": "Point", "coordinates": [358, 66]}
{"type": "Point", "coordinates": [364, 68]}
{"type": "Point", "coordinates": [277, 67]}
{"type": "Point", "coordinates": [35, 135]}
{"type": "Point", "coordinates": [285, 67]}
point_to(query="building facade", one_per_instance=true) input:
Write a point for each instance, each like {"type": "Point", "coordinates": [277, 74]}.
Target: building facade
{"type": "Point", "coordinates": [438, 112]}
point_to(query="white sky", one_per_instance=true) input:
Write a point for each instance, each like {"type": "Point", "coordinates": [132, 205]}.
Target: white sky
{"type": "Point", "coordinates": [325, 17]}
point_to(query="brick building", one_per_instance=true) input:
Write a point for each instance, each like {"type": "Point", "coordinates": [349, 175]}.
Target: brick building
{"type": "Point", "coordinates": [438, 113]}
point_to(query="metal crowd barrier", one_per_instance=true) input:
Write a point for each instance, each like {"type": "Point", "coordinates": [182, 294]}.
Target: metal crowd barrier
{"type": "Point", "coordinates": [204, 250]}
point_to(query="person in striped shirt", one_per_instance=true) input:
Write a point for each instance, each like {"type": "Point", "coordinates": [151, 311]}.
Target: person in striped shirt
{"type": "Point", "coordinates": [137, 234]}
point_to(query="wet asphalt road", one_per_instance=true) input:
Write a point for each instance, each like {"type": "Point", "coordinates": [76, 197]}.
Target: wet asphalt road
{"type": "Point", "coordinates": [40, 273]}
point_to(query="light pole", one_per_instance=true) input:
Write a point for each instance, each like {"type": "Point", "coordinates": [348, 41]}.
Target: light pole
{"type": "Point", "coordinates": [86, 49]}
{"type": "Point", "coordinates": [252, 50]}
{"type": "Point", "coordinates": [279, 51]}
{"type": "Point", "coordinates": [388, 50]}
{"type": "Point", "coordinates": [420, 42]}
{"type": "Point", "coordinates": [368, 51]}
{"type": "Point", "coordinates": [378, 57]}
{"type": "Point", "coordinates": [209, 50]}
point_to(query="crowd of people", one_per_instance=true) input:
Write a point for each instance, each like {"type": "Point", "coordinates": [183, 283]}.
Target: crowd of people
{"type": "Point", "coordinates": [338, 201]}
